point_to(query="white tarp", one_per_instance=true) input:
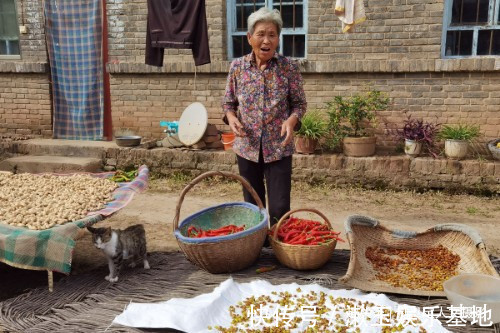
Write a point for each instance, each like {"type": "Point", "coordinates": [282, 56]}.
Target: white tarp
{"type": "Point", "coordinates": [195, 315]}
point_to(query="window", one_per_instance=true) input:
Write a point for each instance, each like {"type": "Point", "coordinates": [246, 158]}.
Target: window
{"type": "Point", "coordinates": [9, 33]}
{"type": "Point", "coordinates": [293, 34]}
{"type": "Point", "coordinates": [472, 28]}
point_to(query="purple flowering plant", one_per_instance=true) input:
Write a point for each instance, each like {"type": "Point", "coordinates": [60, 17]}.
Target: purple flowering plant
{"type": "Point", "coordinates": [420, 131]}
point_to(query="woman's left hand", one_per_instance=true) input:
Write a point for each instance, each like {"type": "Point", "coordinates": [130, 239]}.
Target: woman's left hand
{"type": "Point", "coordinates": [287, 128]}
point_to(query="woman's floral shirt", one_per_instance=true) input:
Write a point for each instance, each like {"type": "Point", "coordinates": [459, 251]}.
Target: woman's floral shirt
{"type": "Point", "coordinates": [263, 100]}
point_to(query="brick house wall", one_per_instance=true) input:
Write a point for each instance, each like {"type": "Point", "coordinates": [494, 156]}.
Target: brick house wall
{"type": "Point", "coordinates": [397, 50]}
{"type": "Point", "coordinates": [25, 107]}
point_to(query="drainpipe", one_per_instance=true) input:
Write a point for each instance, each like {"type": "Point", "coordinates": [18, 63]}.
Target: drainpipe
{"type": "Point", "coordinates": [108, 126]}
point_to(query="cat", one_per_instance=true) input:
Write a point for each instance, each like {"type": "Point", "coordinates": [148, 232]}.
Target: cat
{"type": "Point", "coordinates": [120, 245]}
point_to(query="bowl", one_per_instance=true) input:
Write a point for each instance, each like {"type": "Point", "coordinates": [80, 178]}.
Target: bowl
{"type": "Point", "coordinates": [477, 290]}
{"type": "Point", "coordinates": [495, 152]}
{"type": "Point", "coordinates": [128, 140]}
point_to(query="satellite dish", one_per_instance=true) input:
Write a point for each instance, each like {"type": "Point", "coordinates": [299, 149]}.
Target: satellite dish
{"type": "Point", "coordinates": [193, 124]}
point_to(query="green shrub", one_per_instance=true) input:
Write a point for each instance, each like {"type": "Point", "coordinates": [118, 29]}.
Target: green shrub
{"type": "Point", "coordinates": [314, 125]}
{"type": "Point", "coordinates": [465, 132]}
{"type": "Point", "coordinates": [350, 116]}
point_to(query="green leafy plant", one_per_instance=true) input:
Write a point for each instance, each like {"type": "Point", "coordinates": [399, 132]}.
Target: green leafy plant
{"type": "Point", "coordinates": [464, 132]}
{"type": "Point", "coordinates": [351, 116]}
{"type": "Point", "coordinates": [314, 125]}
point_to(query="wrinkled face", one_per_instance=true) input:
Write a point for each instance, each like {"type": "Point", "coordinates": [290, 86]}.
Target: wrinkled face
{"type": "Point", "coordinates": [264, 40]}
{"type": "Point", "coordinates": [100, 236]}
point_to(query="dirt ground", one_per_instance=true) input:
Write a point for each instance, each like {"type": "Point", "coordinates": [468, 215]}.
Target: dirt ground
{"type": "Point", "coordinates": [156, 207]}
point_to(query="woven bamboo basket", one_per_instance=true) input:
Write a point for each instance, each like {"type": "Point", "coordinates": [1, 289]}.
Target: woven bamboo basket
{"type": "Point", "coordinates": [301, 257]}
{"type": "Point", "coordinates": [223, 254]}
{"type": "Point", "coordinates": [363, 232]}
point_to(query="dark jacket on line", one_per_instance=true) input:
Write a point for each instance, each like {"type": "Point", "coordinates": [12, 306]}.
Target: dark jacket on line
{"type": "Point", "coordinates": [178, 24]}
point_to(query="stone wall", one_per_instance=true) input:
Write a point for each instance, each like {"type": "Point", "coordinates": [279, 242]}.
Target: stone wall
{"type": "Point", "coordinates": [381, 172]}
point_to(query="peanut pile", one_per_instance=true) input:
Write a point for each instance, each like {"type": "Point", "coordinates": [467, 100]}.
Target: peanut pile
{"type": "Point", "coordinates": [414, 269]}
{"type": "Point", "coordinates": [331, 314]}
{"type": "Point", "coordinates": [42, 201]}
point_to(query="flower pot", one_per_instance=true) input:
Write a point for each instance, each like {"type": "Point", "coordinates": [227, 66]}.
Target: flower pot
{"type": "Point", "coordinates": [359, 147]}
{"type": "Point", "coordinates": [455, 149]}
{"type": "Point", "coordinates": [227, 139]}
{"type": "Point", "coordinates": [413, 148]}
{"type": "Point", "coordinates": [305, 145]}
{"type": "Point", "coordinates": [494, 147]}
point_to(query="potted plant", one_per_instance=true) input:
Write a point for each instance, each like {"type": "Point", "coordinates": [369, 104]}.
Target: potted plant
{"type": "Point", "coordinates": [457, 139]}
{"type": "Point", "coordinates": [494, 147]}
{"type": "Point", "coordinates": [349, 120]}
{"type": "Point", "coordinates": [417, 134]}
{"type": "Point", "coordinates": [313, 127]}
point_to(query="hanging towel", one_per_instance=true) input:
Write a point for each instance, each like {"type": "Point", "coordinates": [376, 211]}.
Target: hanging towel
{"type": "Point", "coordinates": [178, 24]}
{"type": "Point", "coordinates": [73, 31]}
{"type": "Point", "coordinates": [350, 13]}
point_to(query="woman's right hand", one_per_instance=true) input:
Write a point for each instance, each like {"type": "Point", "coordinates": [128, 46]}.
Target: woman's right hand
{"type": "Point", "coordinates": [235, 124]}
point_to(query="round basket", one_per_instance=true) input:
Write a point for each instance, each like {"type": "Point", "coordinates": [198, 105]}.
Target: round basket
{"type": "Point", "coordinates": [223, 254]}
{"type": "Point", "coordinates": [495, 152]}
{"type": "Point", "coordinates": [301, 257]}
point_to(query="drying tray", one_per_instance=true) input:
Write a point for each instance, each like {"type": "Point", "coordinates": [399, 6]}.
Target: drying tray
{"type": "Point", "coordinates": [363, 232]}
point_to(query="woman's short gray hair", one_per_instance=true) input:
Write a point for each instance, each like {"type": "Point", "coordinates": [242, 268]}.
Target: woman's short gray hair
{"type": "Point", "coordinates": [265, 14]}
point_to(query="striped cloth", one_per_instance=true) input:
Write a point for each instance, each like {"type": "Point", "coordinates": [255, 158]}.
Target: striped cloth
{"type": "Point", "coordinates": [52, 249]}
{"type": "Point", "coordinates": [73, 32]}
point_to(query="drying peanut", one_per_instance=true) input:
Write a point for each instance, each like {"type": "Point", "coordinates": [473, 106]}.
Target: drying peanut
{"type": "Point", "coordinates": [42, 201]}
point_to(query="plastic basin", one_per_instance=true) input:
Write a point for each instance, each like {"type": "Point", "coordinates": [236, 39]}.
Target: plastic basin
{"type": "Point", "coordinates": [475, 290]}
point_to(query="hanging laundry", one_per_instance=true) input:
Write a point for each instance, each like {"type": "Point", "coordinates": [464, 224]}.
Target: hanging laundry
{"type": "Point", "coordinates": [350, 13]}
{"type": "Point", "coordinates": [178, 24]}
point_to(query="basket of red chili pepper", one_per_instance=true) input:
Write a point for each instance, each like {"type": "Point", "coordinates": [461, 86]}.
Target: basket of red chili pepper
{"type": "Point", "coordinates": [303, 244]}
{"type": "Point", "coordinates": [224, 238]}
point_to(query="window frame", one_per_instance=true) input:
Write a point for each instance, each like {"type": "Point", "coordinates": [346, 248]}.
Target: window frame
{"type": "Point", "coordinates": [14, 56]}
{"type": "Point", "coordinates": [231, 25]}
{"type": "Point", "coordinates": [493, 23]}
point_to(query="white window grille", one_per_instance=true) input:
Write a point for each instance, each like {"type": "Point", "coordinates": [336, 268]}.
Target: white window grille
{"type": "Point", "coordinates": [471, 28]}
{"type": "Point", "coordinates": [293, 39]}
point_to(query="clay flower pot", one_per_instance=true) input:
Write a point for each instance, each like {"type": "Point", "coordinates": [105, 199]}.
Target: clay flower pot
{"type": "Point", "coordinates": [305, 145]}
{"type": "Point", "coordinates": [359, 147]}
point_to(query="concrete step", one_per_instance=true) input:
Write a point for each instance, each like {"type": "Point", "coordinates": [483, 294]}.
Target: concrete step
{"type": "Point", "coordinates": [70, 148]}
{"type": "Point", "coordinates": [56, 164]}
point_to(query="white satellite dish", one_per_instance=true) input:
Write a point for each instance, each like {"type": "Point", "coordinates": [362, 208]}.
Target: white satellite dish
{"type": "Point", "coordinates": [193, 123]}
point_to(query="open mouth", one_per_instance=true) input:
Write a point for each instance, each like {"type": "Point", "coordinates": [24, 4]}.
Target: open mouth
{"type": "Point", "coordinates": [265, 49]}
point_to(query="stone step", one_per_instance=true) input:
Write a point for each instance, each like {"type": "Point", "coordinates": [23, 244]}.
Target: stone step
{"type": "Point", "coordinates": [56, 164]}
{"type": "Point", "coordinates": [70, 148]}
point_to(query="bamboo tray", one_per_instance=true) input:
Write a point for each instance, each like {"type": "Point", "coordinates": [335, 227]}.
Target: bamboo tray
{"type": "Point", "coordinates": [363, 232]}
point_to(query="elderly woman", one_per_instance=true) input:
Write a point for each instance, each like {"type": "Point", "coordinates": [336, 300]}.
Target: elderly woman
{"type": "Point", "coordinates": [263, 102]}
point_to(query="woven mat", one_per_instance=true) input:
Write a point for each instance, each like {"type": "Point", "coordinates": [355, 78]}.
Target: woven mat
{"type": "Point", "coordinates": [88, 303]}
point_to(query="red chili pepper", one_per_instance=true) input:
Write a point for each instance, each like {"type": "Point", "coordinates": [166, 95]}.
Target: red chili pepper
{"type": "Point", "coordinates": [222, 231]}
{"type": "Point", "coordinates": [265, 269]}
{"type": "Point", "coordinates": [303, 231]}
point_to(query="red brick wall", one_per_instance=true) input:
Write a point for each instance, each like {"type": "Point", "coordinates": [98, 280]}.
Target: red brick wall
{"type": "Point", "coordinates": [24, 104]}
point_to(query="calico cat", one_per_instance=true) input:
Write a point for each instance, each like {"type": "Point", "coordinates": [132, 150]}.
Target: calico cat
{"type": "Point", "coordinates": [120, 245]}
